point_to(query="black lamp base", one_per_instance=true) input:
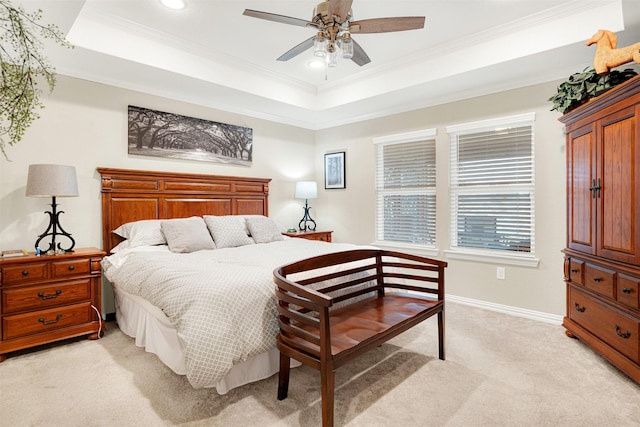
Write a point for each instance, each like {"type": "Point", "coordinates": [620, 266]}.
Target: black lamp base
{"type": "Point", "coordinates": [54, 229]}
{"type": "Point", "coordinates": [303, 226]}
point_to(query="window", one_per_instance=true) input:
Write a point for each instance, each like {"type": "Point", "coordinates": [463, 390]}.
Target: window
{"type": "Point", "coordinates": [406, 190]}
{"type": "Point", "coordinates": [492, 187]}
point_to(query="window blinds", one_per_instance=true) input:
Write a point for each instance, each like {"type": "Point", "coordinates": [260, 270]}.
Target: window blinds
{"type": "Point", "coordinates": [492, 185]}
{"type": "Point", "coordinates": [406, 200]}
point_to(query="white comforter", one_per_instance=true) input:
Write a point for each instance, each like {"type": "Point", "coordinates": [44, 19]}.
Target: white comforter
{"type": "Point", "coordinates": [220, 301]}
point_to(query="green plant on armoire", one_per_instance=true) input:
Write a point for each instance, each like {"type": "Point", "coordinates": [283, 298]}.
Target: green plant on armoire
{"type": "Point", "coordinates": [581, 87]}
{"type": "Point", "coordinates": [24, 68]}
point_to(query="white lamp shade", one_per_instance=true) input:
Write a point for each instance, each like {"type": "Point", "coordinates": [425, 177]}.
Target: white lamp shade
{"type": "Point", "coordinates": [52, 181]}
{"type": "Point", "coordinates": [306, 190]}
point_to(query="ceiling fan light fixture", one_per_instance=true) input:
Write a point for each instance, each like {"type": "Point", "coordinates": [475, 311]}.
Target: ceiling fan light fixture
{"type": "Point", "coordinates": [346, 44]}
{"type": "Point", "coordinates": [320, 45]}
{"type": "Point", "coordinates": [173, 4]}
{"type": "Point", "coordinates": [333, 22]}
{"type": "Point", "coordinates": [332, 58]}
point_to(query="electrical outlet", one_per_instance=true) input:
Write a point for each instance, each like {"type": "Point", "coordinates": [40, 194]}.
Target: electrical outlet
{"type": "Point", "coordinates": [501, 273]}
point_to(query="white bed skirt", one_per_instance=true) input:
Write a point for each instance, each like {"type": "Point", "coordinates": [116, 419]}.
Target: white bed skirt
{"type": "Point", "coordinates": [151, 329]}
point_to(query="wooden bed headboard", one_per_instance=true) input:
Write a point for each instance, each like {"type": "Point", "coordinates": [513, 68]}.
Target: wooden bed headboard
{"type": "Point", "coordinates": [133, 195]}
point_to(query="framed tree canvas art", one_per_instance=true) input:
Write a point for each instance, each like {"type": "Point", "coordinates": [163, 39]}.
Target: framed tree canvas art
{"type": "Point", "coordinates": [334, 171]}
{"type": "Point", "coordinates": [161, 134]}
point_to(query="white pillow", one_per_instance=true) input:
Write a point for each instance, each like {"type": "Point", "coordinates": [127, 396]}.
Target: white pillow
{"type": "Point", "coordinates": [263, 229]}
{"type": "Point", "coordinates": [228, 231]}
{"type": "Point", "coordinates": [282, 228]}
{"type": "Point", "coordinates": [187, 234]}
{"type": "Point", "coordinates": [120, 246]}
{"type": "Point", "coordinates": [146, 232]}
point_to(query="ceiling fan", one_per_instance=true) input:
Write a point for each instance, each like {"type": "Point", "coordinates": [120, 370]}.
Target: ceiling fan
{"type": "Point", "coordinates": [333, 21]}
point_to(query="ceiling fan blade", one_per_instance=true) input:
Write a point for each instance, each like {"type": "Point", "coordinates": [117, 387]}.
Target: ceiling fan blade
{"type": "Point", "coordinates": [297, 50]}
{"type": "Point", "coordinates": [386, 25]}
{"type": "Point", "coordinates": [360, 57]}
{"type": "Point", "coordinates": [340, 8]}
{"type": "Point", "coordinates": [278, 18]}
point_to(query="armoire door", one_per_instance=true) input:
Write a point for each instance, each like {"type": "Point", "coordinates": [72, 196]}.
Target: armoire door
{"type": "Point", "coordinates": [618, 165]}
{"type": "Point", "coordinates": [581, 192]}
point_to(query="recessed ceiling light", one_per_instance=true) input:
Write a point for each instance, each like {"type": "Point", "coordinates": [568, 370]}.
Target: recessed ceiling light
{"type": "Point", "coordinates": [317, 63]}
{"type": "Point", "coordinates": [173, 4]}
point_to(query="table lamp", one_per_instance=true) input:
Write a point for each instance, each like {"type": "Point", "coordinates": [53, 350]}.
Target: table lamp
{"type": "Point", "coordinates": [306, 190]}
{"type": "Point", "coordinates": [53, 181]}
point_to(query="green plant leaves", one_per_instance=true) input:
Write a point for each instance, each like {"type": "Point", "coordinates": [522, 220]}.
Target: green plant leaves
{"type": "Point", "coordinates": [580, 87]}
{"type": "Point", "coordinates": [23, 67]}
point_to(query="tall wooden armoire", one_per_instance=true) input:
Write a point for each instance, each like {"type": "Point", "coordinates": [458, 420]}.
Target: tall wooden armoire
{"type": "Point", "coordinates": [602, 257]}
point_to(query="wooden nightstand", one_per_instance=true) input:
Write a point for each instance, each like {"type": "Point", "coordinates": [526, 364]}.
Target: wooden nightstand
{"type": "Point", "coordinates": [325, 236]}
{"type": "Point", "coordinates": [49, 298]}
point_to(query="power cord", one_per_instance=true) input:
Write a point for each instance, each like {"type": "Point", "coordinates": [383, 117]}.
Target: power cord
{"type": "Point", "coordinates": [99, 321]}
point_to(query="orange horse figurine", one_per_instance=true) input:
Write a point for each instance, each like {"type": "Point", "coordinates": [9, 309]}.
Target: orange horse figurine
{"type": "Point", "coordinates": [607, 56]}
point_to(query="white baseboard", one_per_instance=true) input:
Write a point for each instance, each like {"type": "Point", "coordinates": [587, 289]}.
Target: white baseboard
{"type": "Point", "coordinates": [506, 309]}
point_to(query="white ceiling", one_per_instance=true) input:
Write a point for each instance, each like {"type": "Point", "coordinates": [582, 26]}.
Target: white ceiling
{"type": "Point", "coordinates": [210, 54]}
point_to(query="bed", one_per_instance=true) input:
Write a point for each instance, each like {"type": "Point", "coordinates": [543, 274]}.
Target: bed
{"type": "Point", "coordinates": [207, 313]}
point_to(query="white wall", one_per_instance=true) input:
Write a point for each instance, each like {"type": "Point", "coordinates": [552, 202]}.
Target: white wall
{"type": "Point", "coordinates": [84, 124]}
{"type": "Point", "coordinates": [351, 212]}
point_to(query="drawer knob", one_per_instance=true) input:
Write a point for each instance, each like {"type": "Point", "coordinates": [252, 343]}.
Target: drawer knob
{"type": "Point", "coordinates": [574, 270]}
{"type": "Point", "coordinates": [72, 267]}
{"type": "Point", "coordinates": [49, 322]}
{"type": "Point", "coordinates": [598, 279]}
{"type": "Point", "coordinates": [624, 335]}
{"type": "Point", "coordinates": [25, 272]}
{"type": "Point", "coordinates": [45, 297]}
{"type": "Point", "coordinates": [626, 290]}
{"type": "Point", "coordinates": [581, 308]}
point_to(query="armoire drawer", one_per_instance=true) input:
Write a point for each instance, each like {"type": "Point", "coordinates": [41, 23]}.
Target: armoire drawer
{"type": "Point", "coordinates": [601, 280]}
{"type": "Point", "coordinates": [629, 291]}
{"type": "Point", "coordinates": [37, 297]}
{"type": "Point", "coordinates": [20, 325]}
{"type": "Point", "coordinates": [613, 327]}
{"type": "Point", "coordinates": [576, 271]}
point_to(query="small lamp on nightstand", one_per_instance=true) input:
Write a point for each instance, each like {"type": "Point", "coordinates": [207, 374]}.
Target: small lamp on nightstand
{"type": "Point", "coordinates": [306, 190]}
{"type": "Point", "coordinates": [53, 181]}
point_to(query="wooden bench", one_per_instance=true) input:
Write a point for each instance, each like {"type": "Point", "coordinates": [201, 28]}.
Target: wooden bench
{"type": "Point", "coordinates": [335, 307]}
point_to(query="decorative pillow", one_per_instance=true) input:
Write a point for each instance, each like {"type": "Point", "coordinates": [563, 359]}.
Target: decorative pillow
{"type": "Point", "coordinates": [246, 224]}
{"type": "Point", "coordinates": [228, 231]}
{"type": "Point", "coordinates": [263, 229]}
{"type": "Point", "coordinates": [146, 232]}
{"type": "Point", "coordinates": [246, 217]}
{"type": "Point", "coordinates": [187, 234]}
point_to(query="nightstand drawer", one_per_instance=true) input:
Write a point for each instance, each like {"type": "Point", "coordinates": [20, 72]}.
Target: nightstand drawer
{"type": "Point", "coordinates": [44, 296]}
{"type": "Point", "coordinates": [601, 280]}
{"type": "Point", "coordinates": [617, 330]}
{"type": "Point", "coordinates": [25, 272]}
{"type": "Point", "coordinates": [78, 267]}
{"type": "Point", "coordinates": [45, 320]}
{"type": "Point", "coordinates": [324, 236]}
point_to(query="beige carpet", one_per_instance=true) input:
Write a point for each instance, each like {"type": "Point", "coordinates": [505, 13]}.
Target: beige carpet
{"type": "Point", "coordinates": [500, 371]}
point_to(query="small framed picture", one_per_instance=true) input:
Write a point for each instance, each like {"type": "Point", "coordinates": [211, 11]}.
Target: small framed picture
{"type": "Point", "coordinates": [334, 174]}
